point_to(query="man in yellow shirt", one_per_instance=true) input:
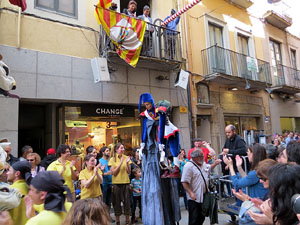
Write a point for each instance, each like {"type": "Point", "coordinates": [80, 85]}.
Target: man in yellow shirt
{"type": "Point", "coordinates": [20, 175]}
{"type": "Point", "coordinates": [48, 188]}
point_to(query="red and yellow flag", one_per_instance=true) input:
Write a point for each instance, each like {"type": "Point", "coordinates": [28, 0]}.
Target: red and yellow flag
{"type": "Point", "coordinates": [127, 33]}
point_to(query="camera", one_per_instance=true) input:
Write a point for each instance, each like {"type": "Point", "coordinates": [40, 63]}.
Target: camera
{"type": "Point", "coordinates": [295, 201]}
{"type": "Point", "coordinates": [114, 7]}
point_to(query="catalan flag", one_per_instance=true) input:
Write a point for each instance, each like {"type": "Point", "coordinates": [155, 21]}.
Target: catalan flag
{"type": "Point", "coordinates": [127, 33]}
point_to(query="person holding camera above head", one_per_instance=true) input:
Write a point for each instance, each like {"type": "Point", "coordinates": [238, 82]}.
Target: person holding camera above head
{"type": "Point", "coordinates": [131, 10]}
{"type": "Point", "coordinates": [204, 146]}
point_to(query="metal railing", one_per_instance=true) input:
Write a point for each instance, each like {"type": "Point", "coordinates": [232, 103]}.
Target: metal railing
{"type": "Point", "coordinates": [216, 59]}
{"type": "Point", "coordinates": [283, 75]}
{"type": "Point", "coordinates": [159, 42]}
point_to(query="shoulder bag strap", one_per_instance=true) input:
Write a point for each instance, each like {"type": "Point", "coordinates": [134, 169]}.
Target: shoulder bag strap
{"type": "Point", "coordinates": [201, 175]}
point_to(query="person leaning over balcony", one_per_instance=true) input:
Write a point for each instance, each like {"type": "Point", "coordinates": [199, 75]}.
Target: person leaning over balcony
{"type": "Point", "coordinates": [171, 36]}
{"type": "Point", "coordinates": [147, 48]}
{"type": "Point", "coordinates": [131, 10]}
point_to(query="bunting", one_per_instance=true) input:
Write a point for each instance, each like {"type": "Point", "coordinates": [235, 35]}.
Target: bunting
{"type": "Point", "coordinates": [127, 33]}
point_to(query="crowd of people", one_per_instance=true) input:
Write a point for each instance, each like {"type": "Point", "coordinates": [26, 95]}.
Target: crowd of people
{"type": "Point", "coordinates": [54, 191]}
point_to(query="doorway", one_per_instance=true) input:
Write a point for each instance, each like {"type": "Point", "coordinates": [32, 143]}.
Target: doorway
{"type": "Point", "coordinates": [32, 127]}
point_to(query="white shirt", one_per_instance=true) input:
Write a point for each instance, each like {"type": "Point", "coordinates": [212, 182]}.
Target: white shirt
{"type": "Point", "coordinates": [192, 176]}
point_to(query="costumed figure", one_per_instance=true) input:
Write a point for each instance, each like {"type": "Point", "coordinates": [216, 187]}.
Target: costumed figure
{"type": "Point", "coordinates": [7, 82]}
{"type": "Point", "coordinates": [154, 124]}
{"type": "Point", "coordinates": [171, 140]}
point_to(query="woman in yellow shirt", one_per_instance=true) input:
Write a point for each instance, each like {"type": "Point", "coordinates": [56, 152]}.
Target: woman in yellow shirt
{"type": "Point", "coordinates": [91, 178]}
{"type": "Point", "coordinates": [64, 167]}
{"type": "Point", "coordinates": [120, 168]}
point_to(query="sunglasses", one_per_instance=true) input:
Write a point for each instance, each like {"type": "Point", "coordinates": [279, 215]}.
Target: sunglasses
{"type": "Point", "coordinates": [30, 160]}
{"type": "Point", "coordinates": [263, 179]}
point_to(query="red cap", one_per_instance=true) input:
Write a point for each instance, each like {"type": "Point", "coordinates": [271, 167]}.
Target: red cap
{"type": "Point", "coordinates": [51, 151]}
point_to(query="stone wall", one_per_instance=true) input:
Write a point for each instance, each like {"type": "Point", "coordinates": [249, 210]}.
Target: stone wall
{"type": "Point", "coordinates": [57, 78]}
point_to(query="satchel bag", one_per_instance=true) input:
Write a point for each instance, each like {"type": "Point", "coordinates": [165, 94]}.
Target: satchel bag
{"type": "Point", "coordinates": [208, 198]}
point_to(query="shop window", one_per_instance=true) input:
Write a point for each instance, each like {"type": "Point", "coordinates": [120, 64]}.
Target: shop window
{"type": "Point", "coordinates": [202, 94]}
{"type": "Point", "coordinates": [242, 123]}
{"type": "Point", "coordinates": [99, 125]}
{"type": "Point", "coordinates": [65, 7]}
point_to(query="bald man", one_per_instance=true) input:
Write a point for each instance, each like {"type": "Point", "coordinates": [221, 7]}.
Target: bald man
{"type": "Point", "coordinates": [234, 145]}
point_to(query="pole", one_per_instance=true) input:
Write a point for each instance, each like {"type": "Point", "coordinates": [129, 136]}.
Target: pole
{"type": "Point", "coordinates": [181, 11]}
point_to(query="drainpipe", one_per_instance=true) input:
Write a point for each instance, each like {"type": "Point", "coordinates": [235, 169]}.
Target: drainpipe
{"type": "Point", "coordinates": [189, 89]}
{"type": "Point", "coordinates": [19, 28]}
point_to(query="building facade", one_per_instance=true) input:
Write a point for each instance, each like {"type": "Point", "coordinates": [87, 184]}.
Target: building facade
{"type": "Point", "coordinates": [49, 50]}
{"type": "Point", "coordinates": [235, 77]}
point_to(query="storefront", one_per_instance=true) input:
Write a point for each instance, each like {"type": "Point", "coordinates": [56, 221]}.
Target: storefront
{"type": "Point", "coordinates": [98, 125]}
{"type": "Point", "coordinates": [290, 124]}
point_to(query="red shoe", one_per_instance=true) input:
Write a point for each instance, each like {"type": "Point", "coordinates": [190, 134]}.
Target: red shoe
{"type": "Point", "coordinates": [165, 174]}
{"type": "Point", "coordinates": [176, 173]}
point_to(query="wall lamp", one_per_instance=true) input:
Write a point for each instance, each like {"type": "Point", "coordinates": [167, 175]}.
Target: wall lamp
{"type": "Point", "coordinates": [233, 89]}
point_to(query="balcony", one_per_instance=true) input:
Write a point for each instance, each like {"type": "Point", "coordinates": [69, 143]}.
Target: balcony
{"type": "Point", "coordinates": [285, 79]}
{"type": "Point", "coordinates": [241, 3]}
{"type": "Point", "coordinates": [227, 67]}
{"type": "Point", "coordinates": [163, 51]}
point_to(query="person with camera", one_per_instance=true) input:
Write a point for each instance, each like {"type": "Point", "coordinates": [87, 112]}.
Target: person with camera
{"type": "Point", "coordinates": [206, 148]}
{"type": "Point", "coordinates": [234, 145]}
{"type": "Point", "coordinates": [131, 10]}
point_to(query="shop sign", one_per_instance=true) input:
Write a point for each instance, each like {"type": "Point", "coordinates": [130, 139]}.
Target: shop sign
{"type": "Point", "coordinates": [108, 110]}
{"type": "Point", "coordinates": [183, 109]}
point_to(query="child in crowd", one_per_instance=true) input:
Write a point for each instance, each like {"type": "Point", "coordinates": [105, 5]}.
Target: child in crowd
{"type": "Point", "coordinates": [136, 185]}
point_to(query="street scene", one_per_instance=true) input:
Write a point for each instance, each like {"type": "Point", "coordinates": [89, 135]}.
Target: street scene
{"type": "Point", "coordinates": [123, 112]}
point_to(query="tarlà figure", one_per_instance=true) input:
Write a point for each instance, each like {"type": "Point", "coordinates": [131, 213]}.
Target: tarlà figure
{"type": "Point", "coordinates": [7, 82]}
{"type": "Point", "coordinates": [157, 133]}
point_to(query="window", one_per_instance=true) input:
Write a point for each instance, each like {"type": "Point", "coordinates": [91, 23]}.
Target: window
{"type": "Point", "coordinates": [276, 62]}
{"type": "Point", "coordinates": [243, 44]}
{"type": "Point", "coordinates": [202, 94]}
{"type": "Point", "coordinates": [65, 7]}
{"type": "Point", "coordinates": [293, 59]}
{"type": "Point", "coordinates": [215, 35]}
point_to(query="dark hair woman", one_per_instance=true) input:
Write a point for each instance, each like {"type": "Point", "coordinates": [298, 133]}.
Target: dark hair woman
{"type": "Point", "coordinates": [256, 153]}
{"type": "Point", "coordinates": [64, 167]}
{"type": "Point", "coordinates": [284, 182]}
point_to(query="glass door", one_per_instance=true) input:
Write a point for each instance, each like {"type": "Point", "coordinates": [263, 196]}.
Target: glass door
{"type": "Point", "coordinates": [216, 53]}
{"type": "Point", "coordinates": [276, 63]}
{"type": "Point", "coordinates": [242, 58]}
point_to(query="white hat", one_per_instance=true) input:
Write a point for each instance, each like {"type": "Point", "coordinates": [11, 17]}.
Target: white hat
{"type": "Point", "coordinates": [4, 142]}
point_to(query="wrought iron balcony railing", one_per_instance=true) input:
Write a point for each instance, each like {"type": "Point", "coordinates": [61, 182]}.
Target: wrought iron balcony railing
{"type": "Point", "coordinates": [285, 76]}
{"type": "Point", "coordinates": [159, 42]}
{"type": "Point", "coordinates": [216, 59]}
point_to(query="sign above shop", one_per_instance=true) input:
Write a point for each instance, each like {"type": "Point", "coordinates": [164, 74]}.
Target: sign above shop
{"type": "Point", "coordinates": [108, 110]}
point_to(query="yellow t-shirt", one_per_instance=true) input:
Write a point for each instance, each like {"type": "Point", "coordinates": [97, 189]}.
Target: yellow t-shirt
{"type": "Point", "coordinates": [47, 217]}
{"type": "Point", "coordinates": [94, 190]}
{"type": "Point", "coordinates": [40, 208]}
{"type": "Point", "coordinates": [18, 214]}
{"type": "Point", "coordinates": [122, 177]}
{"type": "Point", "coordinates": [67, 174]}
